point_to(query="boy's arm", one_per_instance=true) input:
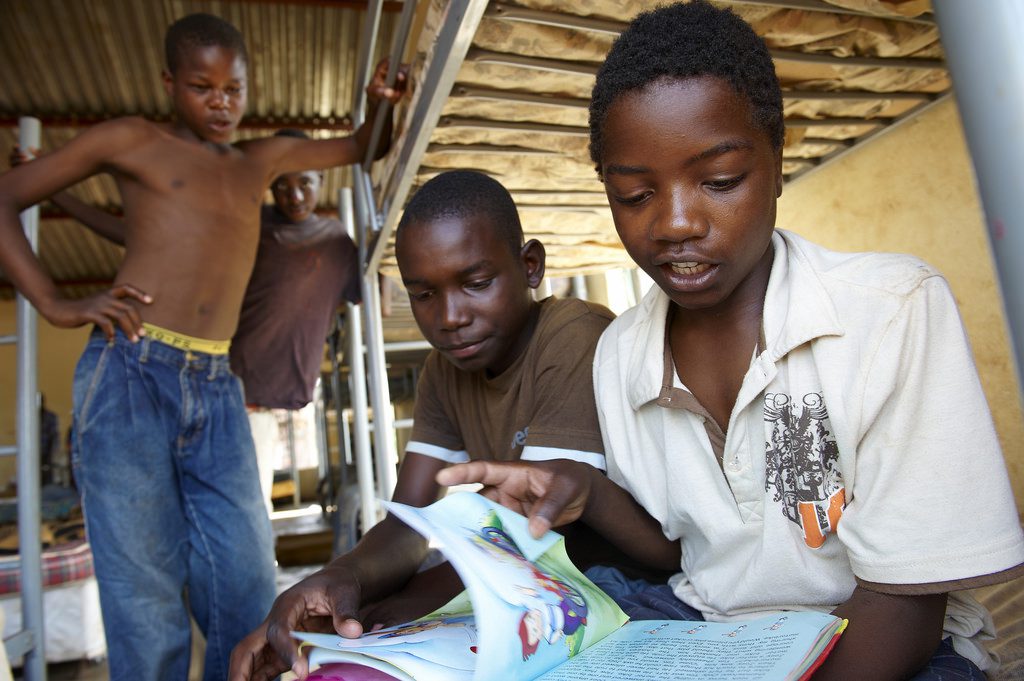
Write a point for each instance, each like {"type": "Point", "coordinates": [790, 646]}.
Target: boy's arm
{"type": "Point", "coordinates": [291, 154]}
{"type": "Point", "coordinates": [380, 564]}
{"type": "Point", "coordinates": [888, 637]}
{"type": "Point", "coordinates": [557, 492]}
{"type": "Point", "coordinates": [100, 221]}
{"type": "Point", "coordinates": [26, 186]}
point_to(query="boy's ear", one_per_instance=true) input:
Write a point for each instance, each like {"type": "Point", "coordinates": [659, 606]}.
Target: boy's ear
{"type": "Point", "coordinates": [532, 256]}
{"type": "Point", "coordinates": [168, 80]}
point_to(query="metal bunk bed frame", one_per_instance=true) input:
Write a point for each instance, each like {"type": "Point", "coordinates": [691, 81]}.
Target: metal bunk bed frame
{"type": "Point", "coordinates": [372, 218]}
{"type": "Point", "coordinates": [28, 642]}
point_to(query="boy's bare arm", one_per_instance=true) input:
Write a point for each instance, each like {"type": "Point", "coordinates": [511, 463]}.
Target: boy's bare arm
{"type": "Point", "coordinates": [889, 636]}
{"type": "Point", "coordinates": [291, 154]}
{"type": "Point", "coordinates": [103, 223]}
{"type": "Point", "coordinates": [557, 492]}
{"type": "Point", "coordinates": [29, 184]}
{"type": "Point", "coordinates": [380, 564]}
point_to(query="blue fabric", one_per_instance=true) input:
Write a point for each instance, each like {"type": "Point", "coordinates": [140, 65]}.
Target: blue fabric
{"type": "Point", "coordinates": [947, 665]}
{"type": "Point", "coordinates": [642, 600]}
{"type": "Point", "coordinates": [166, 467]}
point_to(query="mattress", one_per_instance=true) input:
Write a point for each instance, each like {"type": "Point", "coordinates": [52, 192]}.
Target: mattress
{"type": "Point", "coordinates": [72, 622]}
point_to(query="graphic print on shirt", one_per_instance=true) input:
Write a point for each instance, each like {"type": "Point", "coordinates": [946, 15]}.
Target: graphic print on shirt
{"type": "Point", "coordinates": [802, 464]}
{"type": "Point", "coordinates": [519, 439]}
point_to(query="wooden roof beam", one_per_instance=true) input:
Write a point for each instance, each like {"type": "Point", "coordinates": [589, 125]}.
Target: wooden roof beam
{"type": "Point", "coordinates": [500, 10]}
{"type": "Point", "coordinates": [482, 56]}
{"type": "Point", "coordinates": [541, 99]}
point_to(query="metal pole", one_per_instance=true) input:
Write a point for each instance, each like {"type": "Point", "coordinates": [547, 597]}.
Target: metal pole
{"type": "Point", "coordinates": [986, 62]}
{"type": "Point", "coordinates": [579, 286]}
{"type": "Point", "coordinates": [322, 446]}
{"type": "Point", "coordinates": [348, 438]}
{"type": "Point", "coordinates": [296, 495]}
{"type": "Point", "coordinates": [449, 51]}
{"type": "Point", "coordinates": [371, 23]}
{"type": "Point", "coordinates": [341, 432]}
{"type": "Point", "coordinates": [380, 392]}
{"type": "Point", "coordinates": [29, 509]}
{"type": "Point", "coordinates": [384, 108]}
{"type": "Point", "coordinates": [357, 368]}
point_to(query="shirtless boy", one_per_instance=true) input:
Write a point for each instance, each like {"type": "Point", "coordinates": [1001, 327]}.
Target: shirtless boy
{"type": "Point", "coordinates": [306, 265]}
{"type": "Point", "coordinates": [164, 458]}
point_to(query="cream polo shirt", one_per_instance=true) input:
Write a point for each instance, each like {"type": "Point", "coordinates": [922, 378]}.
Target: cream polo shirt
{"type": "Point", "coordinates": [860, 448]}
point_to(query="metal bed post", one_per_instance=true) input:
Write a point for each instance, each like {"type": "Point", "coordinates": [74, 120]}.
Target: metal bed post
{"type": "Point", "coordinates": [368, 221]}
{"type": "Point", "coordinates": [459, 24]}
{"type": "Point", "coordinates": [579, 287]}
{"type": "Point", "coordinates": [453, 40]}
{"type": "Point", "coordinates": [29, 641]}
{"type": "Point", "coordinates": [986, 62]}
{"type": "Point", "coordinates": [357, 388]}
{"type": "Point", "coordinates": [293, 458]}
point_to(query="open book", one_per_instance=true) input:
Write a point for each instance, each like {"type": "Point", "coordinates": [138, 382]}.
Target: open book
{"type": "Point", "coordinates": [528, 613]}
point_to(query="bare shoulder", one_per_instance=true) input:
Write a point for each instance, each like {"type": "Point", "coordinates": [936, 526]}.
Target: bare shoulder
{"type": "Point", "coordinates": [266, 147]}
{"type": "Point", "coordinates": [125, 128]}
{"type": "Point", "coordinates": [106, 140]}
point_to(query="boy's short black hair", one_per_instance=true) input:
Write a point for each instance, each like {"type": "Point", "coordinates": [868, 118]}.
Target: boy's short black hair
{"type": "Point", "coordinates": [686, 41]}
{"type": "Point", "coordinates": [463, 194]}
{"type": "Point", "coordinates": [201, 30]}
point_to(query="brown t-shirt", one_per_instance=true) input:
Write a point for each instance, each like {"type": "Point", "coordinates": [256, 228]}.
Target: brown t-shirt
{"type": "Point", "coordinates": [302, 273]}
{"type": "Point", "coordinates": [544, 402]}
{"type": "Point", "coordinates": [541, 407]}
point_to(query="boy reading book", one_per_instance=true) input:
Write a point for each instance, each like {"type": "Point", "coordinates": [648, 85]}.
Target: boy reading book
{"type": "Point", "coordinates": [163, 456]}
{"type": "Point", "coordinates": [782, 411]}
{"type": "Point", "coordinates": [509, 378]}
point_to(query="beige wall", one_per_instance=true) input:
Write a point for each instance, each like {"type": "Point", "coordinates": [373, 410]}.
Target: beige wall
{"type": "Point", "coordinates": [911, 190]}
{"type": "Point", "coordinates": [58, 352]}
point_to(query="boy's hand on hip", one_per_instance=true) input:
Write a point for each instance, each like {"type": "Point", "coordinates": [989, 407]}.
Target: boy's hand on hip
{"type": "Point", "coordinates": [108, 310]}
{"type": "Point", "coordinates": [550, 493]}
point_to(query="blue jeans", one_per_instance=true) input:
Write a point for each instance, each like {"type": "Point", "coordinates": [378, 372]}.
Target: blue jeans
{"type": "Point", "coordinates": [642, 600]}
{"type": "Point", "coordinates": [167, 471]}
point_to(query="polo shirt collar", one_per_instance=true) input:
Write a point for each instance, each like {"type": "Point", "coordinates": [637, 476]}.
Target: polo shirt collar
{"type": "Point", "coordinates": [797, 306]}
{"type": "Point", "coordinates": [797, 310]}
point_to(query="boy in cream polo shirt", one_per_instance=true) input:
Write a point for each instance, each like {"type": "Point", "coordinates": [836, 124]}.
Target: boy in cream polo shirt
{"type": "Point", "coordinates": [806, 428]}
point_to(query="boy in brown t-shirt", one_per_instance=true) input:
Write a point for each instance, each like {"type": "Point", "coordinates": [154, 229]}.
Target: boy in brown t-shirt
{"type": "Point", "coordinates": [509, 378]}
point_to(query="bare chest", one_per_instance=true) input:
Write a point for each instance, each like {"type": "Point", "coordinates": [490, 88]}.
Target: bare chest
{"type": "Point", "coordinates": [195, 193]}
